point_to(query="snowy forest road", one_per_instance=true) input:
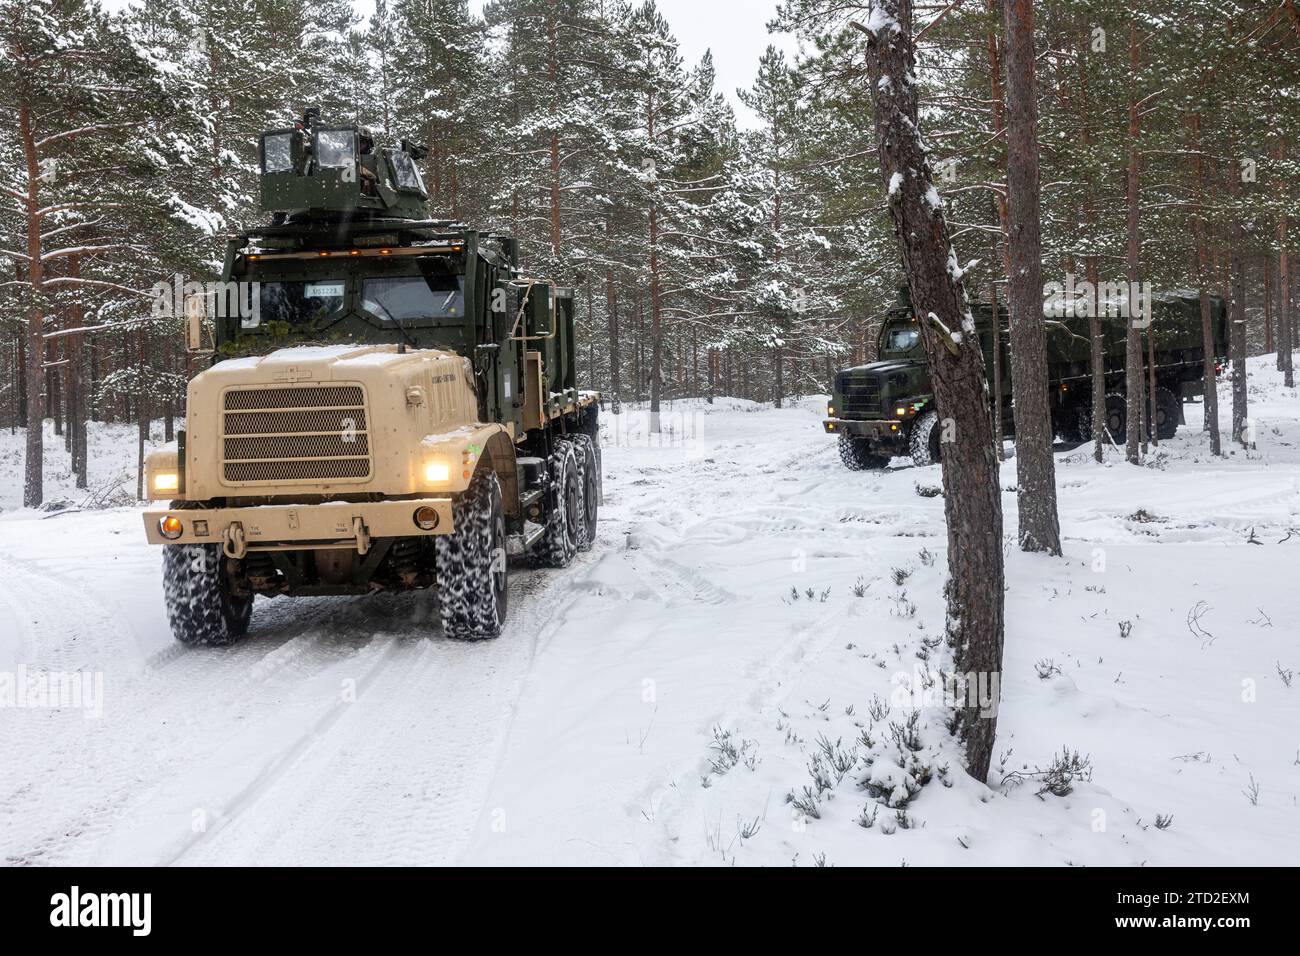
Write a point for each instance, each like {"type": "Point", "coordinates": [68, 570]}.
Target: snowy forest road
{"type": "Point", "coordinates": [338, 731]}
{"type": "Point", "coordinates": [748, 618]}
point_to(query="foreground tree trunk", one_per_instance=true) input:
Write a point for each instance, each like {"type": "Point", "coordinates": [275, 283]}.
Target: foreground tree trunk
{"type": "Point", "coordinates": [972, 500]}
{"type": "Point", "coordinates": [1035, 467]}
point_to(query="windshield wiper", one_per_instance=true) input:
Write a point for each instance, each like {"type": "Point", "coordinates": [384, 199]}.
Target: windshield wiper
{"type": "Point", "coordinates": [370, 306]}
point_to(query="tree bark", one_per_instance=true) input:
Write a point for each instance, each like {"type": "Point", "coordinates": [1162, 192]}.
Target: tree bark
{"type": "Point", "coordinates": [656, 318]}
{"type": "Point", "coordinates": [1039, 525]}
{"type": "Point", "coordinates": [1268, 304]}
{"type": "Point", "coordinates": [77, 404]}
{"type": "Point", "coordinates": [999, 427]}
{"type": "Point", "coordinates": [611, 306]}
{"type": "Point", "coordinates": [553, 70]}
{"type": "Point", "coordinates": [972, 499]}
{"type": "Point", "coordinates": [34, 461]}
{"type": "Point", "coordinates": [1209, 379]}
{"type": "Point", "coordinates": [1237, 317]}
{"type": "Point", "coordinates": [1285, 319]}
{"type": "Point", "coordinates": [1133, 356]}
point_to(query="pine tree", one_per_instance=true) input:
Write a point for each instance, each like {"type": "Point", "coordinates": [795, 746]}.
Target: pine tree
{"type": "Point", "coordinates": [81, 92]}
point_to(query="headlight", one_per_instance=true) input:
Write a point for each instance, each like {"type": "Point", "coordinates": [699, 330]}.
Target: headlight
{"type": "Point", "coordinates": [166, 481]}
{"type": "Point", "coordinates": [900, 412]}
{"type": "Point", "coordinates": [437, 471]}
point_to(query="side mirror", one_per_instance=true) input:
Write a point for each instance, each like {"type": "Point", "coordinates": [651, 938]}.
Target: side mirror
{"type": "Point", "coordinates": [417, 153]}
{"type": "Point", "coordinates": [195, 313]}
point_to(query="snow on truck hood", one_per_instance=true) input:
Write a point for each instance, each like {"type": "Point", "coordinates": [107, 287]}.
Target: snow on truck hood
{"type": "Point", "coordinates": [344, 356]}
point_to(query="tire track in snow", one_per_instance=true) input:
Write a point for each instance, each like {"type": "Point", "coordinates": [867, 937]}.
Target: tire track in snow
{"type": "Point", "coordinates": [403, 779]}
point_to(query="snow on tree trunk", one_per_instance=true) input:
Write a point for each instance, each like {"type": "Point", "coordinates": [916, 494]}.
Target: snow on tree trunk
{"type": "Point", "coordinates": [972, 500]}
{"type": "Point", "coordinates": [1035, 467]}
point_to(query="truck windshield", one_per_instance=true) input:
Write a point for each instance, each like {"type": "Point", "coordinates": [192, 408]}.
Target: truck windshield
{"type": "Point", "coordinates": [399, 300]}
{"type": "Point", "coordinates": [901, 338]}
{"type": "Point", "coordinates": [298, 303]}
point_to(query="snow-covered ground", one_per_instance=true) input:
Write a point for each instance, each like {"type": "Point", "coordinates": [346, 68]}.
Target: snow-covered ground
{"type": "Point", "coordinates": [748, 626]}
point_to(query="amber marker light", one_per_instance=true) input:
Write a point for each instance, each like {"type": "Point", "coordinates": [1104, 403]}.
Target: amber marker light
{"type": "Point", "coordinates": [170, 527]}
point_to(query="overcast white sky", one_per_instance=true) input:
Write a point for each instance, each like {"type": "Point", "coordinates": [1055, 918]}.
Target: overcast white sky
{"type": "Point", "coordinates": [736, 31]}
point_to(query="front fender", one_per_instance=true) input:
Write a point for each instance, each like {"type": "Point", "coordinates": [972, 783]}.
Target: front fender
{"type": "Point", "coordinates": [463, 451]}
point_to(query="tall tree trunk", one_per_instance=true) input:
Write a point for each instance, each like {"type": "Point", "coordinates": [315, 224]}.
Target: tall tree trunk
{"type": "Point", "coordinates": [1039, 526]}
{"type": "Point", "coordinates": [1237, 318]}
{"type": "Point", "coordinates": [1285, 317]}
{"type": "Point", "coordinates": [778, 380]}
{"type": "Point", "coordinates": [1152, 431]}
{"type": "Point", "coordinates": [1002, 248]}
{"type": "Point", "coordinates": [611, 306]}
{"type": "Point", "coordinates": [554, 78]}
{"type": "Point", "coordinates": [972, 498]}
{"type": "Point", "coordinates": [1209, 379]}
{"type": "Point", "coordinates": [34, 461]}
{"type": "Point", "coordinates": [77, 396]}
{"type": "Point", "coordinates": [1092, 269]}
{"type": "Point", "coordinates": [638, 351]}
{"type": "Point", "coordinates": [656, 324]}
{"type": "Point", "coordinates": [1268, 304]}
{"type": "Point", "coordinates": [656, 317]}
{"type": "Point", "coordinates": [999, 426]}
{"type": "Point", "coordinates": [1133, 353]}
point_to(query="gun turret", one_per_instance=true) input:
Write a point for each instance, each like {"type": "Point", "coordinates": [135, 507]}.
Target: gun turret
{"type": "Point", "coordinates": [315, 171]}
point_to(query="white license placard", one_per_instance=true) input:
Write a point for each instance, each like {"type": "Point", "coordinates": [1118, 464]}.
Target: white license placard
{"type": "Point", "coordinates": [324, 290]}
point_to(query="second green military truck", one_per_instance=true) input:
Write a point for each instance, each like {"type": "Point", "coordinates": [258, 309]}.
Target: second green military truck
{"type": "Point", "coordinates": [886, 408]}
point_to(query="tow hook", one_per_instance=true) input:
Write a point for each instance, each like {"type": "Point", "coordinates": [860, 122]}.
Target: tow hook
{"type": "Point", "coordinates": [362, 534]}
{"type": "Point", "coordinates": [232, 541]}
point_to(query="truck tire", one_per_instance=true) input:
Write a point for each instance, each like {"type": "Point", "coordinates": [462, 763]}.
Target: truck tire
{"type": "Point", "coordinates": [1166, 413]}
{"type": "Point", "coordinates": [201, 609]}
{"type": "Point", "coordinates": [584, 449]}
{"type": "Point", "coordinates": [1081, 427]}
{"type": "Point", "coordinates": [923, 441]}
{"type": "Point", "coordinates": [1116, 418]}
{"type": "Point", "coordinates": [559, 542]}
{"type": "Point", "coordinates": [471, 564]}
{"type": "Point", "coordinates": [857, 455]}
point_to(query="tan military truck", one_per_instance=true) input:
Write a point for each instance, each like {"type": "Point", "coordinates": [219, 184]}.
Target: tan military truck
{"type": "Point", "coordinates": [391, 405]}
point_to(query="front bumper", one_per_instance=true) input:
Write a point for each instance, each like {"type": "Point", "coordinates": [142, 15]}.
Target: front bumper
{"type": "Point", "coordinates": [881, 430]}
{"type": "Point", "coordinates": [300, 527]}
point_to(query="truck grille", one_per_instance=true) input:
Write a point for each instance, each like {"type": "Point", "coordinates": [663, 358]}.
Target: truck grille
{"type": "Point", "coordinates": [306, 433]}
{"type": "Point", "coordinates": [861, 396]}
